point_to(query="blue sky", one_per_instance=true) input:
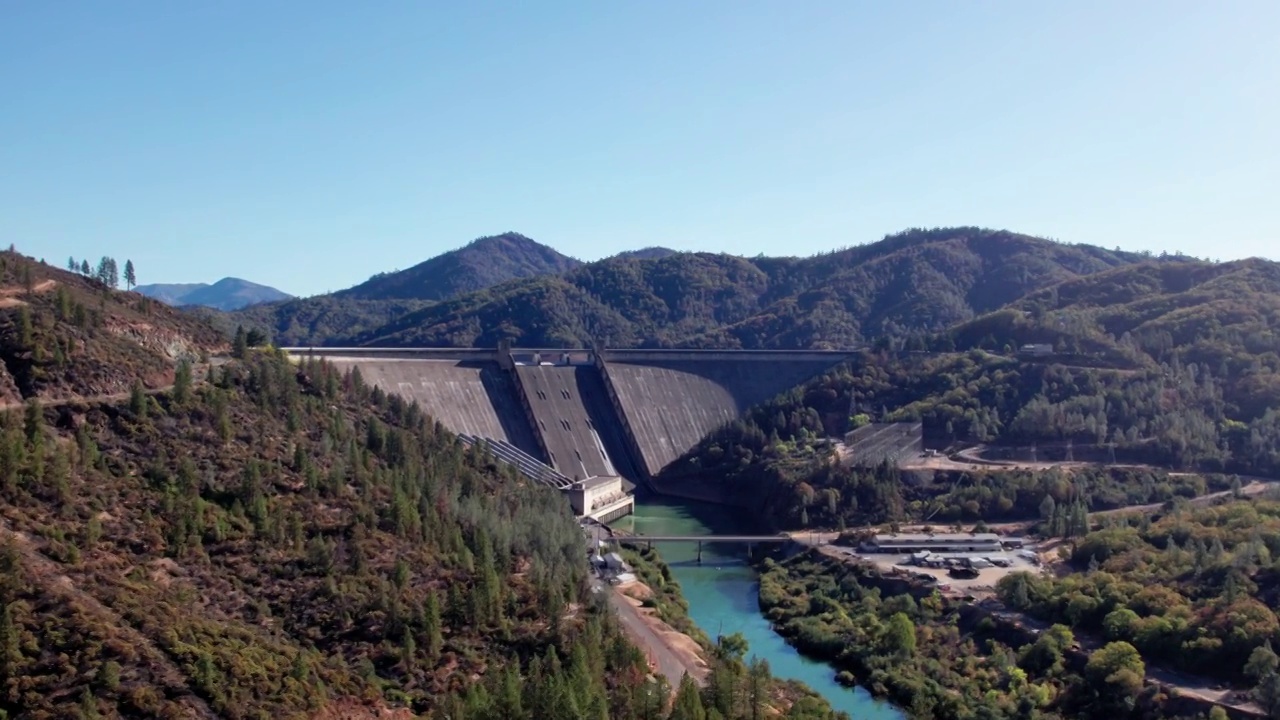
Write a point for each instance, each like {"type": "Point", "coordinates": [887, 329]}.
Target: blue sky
{"type": "Point", "coordinates": [308, 145]}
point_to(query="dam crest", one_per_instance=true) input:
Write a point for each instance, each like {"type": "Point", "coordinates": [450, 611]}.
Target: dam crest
{"type": "Point", "coordinates": [593, 423]}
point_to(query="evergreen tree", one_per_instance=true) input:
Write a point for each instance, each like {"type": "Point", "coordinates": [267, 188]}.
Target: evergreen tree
{"type": "Point", "coordinates": [240, 345]}
{"type": "Point", "coordinates": [10, 648]}
{"type": "Point", "coordinates": [84, 268]}
{"type": "Point", "coordinates": [688, 702]}
{"type": "Point", "coordinates": [138, 401]}
{"type": "Point", "coordinates": [431, 628]}
{"type": "Point", "coordinates": [130, 278]}
{"type": "Point", "coordinates": [182, 383]}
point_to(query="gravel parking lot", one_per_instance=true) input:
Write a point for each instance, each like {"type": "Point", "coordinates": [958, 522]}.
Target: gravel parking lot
{"type": "Point", "coordinates": [983, 584]}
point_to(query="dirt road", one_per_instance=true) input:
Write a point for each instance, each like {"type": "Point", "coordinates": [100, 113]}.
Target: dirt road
{"type": "Point", "coordinates": [198, 373]}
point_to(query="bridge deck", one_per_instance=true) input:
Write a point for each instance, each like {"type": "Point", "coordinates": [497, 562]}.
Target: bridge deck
{"type": "Point", "coordinates": [702, 538]}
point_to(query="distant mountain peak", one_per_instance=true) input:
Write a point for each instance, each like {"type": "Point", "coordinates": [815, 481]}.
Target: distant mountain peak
{"type": "Point", "coordinates": [480, 264]}
{"type": "Point", "coordinates": [229, 293]}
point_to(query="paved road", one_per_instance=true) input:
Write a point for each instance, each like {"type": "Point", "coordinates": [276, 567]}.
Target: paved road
{"type": "Point", "coordinates": [655, 648]}
{"type": "Point", "coordinates": [644, 636]}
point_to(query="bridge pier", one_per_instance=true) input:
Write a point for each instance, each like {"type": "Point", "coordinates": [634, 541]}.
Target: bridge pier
{"type": "Point", "coordinates": [699, 552]}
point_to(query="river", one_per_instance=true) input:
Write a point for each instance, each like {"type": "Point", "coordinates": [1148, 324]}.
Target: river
{"type": "Point", "coordinates": [723, 595]}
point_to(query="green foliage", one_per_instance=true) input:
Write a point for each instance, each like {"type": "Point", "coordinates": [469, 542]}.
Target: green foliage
{"type": "Point", "coordinates": [1192, 590]}
{"type": "Point", "coordinates": [275, 587]}
{"type": "Point", "coordinates": [938, 661]}
{"type": "Point", "coordinates": [383, 298]}
{"type": "Point", "coordinates": [509, 287]}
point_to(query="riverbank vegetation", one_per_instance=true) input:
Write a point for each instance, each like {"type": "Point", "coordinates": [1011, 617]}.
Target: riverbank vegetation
{"type": "Point", "coordinates": [939, 663]}
{"type": "Point", "coordinates": [737, 687]}
{"type": "Point", "coordinates": [1195, 590]}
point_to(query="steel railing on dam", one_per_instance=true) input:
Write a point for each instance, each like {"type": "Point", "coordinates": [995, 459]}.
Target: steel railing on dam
{"type": "Point", "coordinates": [551, 354]}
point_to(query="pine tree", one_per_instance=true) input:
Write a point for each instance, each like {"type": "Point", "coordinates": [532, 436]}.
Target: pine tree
{"type": "Point", "coordinates": [408, 649]}
{"type": "Point", "coordinates": [182, 382]}
{"type": "Point", "coordinates": [431, 628]}
{"type": "Point", "coordinates": [84, 268]}
{"type": "Point", "coordinates": [26, 328]}
{"type": "Point", "coordinates": [130, 278]}
{"type": "Point", "coordinates": [10, 649]}
{"type": "Point", "coordinates": [240, 345]}
{"type": "Point", "coordinates": [73, 265]}
{"type": "Point", "coordinates": [688, 703]}
{"type": "Point", "coordinates": [138, 401]}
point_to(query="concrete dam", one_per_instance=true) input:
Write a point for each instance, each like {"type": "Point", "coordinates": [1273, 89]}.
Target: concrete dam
{"type": "Point", "coordinates": [584, 414]}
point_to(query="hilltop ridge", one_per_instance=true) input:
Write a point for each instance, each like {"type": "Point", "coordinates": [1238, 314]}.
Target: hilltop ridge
{"type": "Point", "coordinates": [63, 335]}
{"type": "Point", "coordinates": [387, 296]}
{"type": "Point", "coordinates": [229, 293]}
{"type": "Point", "coordinates": [479, 264]}
{"type": "Point", "coordinates": [916, 281]}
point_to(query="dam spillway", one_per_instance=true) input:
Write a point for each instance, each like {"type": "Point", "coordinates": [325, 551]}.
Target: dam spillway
{"type": "Point", "coordinates": [569, 415]}
{"type": "Point", "coordinates": [628, 413]}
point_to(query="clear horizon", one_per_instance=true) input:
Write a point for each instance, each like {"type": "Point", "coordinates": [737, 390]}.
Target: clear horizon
{"type": "Point", "coordinates": [310, 146]}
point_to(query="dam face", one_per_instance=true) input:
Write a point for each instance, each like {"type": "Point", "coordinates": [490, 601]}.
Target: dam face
{"type": "Point", "coordinates": [469, 397]}
{"type": "Point", "coordinates": [669, 406]}
{"type": "Point", "coordinates": [627, 413]}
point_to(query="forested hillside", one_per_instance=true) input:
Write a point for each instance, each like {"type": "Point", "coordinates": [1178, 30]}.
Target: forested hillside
{"type": "Point", "coordinates": [482, 263]}
{"type": "Point", "coordinates": [257, 538]}
{"type": "Point", "coordinates": [1181, 416]}
{"type": "Point", "coordinates": [920, 280]}
{"type": "Point", "coordinates": [63, 335]}
{"type": "Point", "coordinates": [320, 320]}
{"type": "Point", "coordinates": [339, 316]}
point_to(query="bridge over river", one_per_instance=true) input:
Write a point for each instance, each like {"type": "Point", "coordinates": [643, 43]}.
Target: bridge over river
{"type": "Point", "coordinates": [628, 537]}
{"type": "Point", "coordinates": [749, 540]}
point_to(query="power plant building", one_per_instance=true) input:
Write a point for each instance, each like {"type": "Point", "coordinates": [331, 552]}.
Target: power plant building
{"type": "Point", "coordinates": [601, 498]}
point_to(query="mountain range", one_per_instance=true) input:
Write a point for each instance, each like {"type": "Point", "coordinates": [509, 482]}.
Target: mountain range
{"type": "Point", "coordinates": [258, 537]}
{"type": "Point", "coordinates": [229, 293]}
{"type": "Point", "coordinates": [511, 287]}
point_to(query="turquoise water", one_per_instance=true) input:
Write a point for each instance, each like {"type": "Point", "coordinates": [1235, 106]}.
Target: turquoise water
{"type": "Point", "coordinates": [722, 594]}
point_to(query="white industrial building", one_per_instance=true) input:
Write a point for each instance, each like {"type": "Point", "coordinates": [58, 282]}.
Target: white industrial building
{"type": "Point", "coordinates": [601, 498]}
{"type": "Point", "coordinates": [938, 543]}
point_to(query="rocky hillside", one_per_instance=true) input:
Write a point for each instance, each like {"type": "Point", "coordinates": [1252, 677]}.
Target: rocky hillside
{"type": "Point", "coordinates": [917, 281]}
{"type": "Point", "coordinates": [63, 335]}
